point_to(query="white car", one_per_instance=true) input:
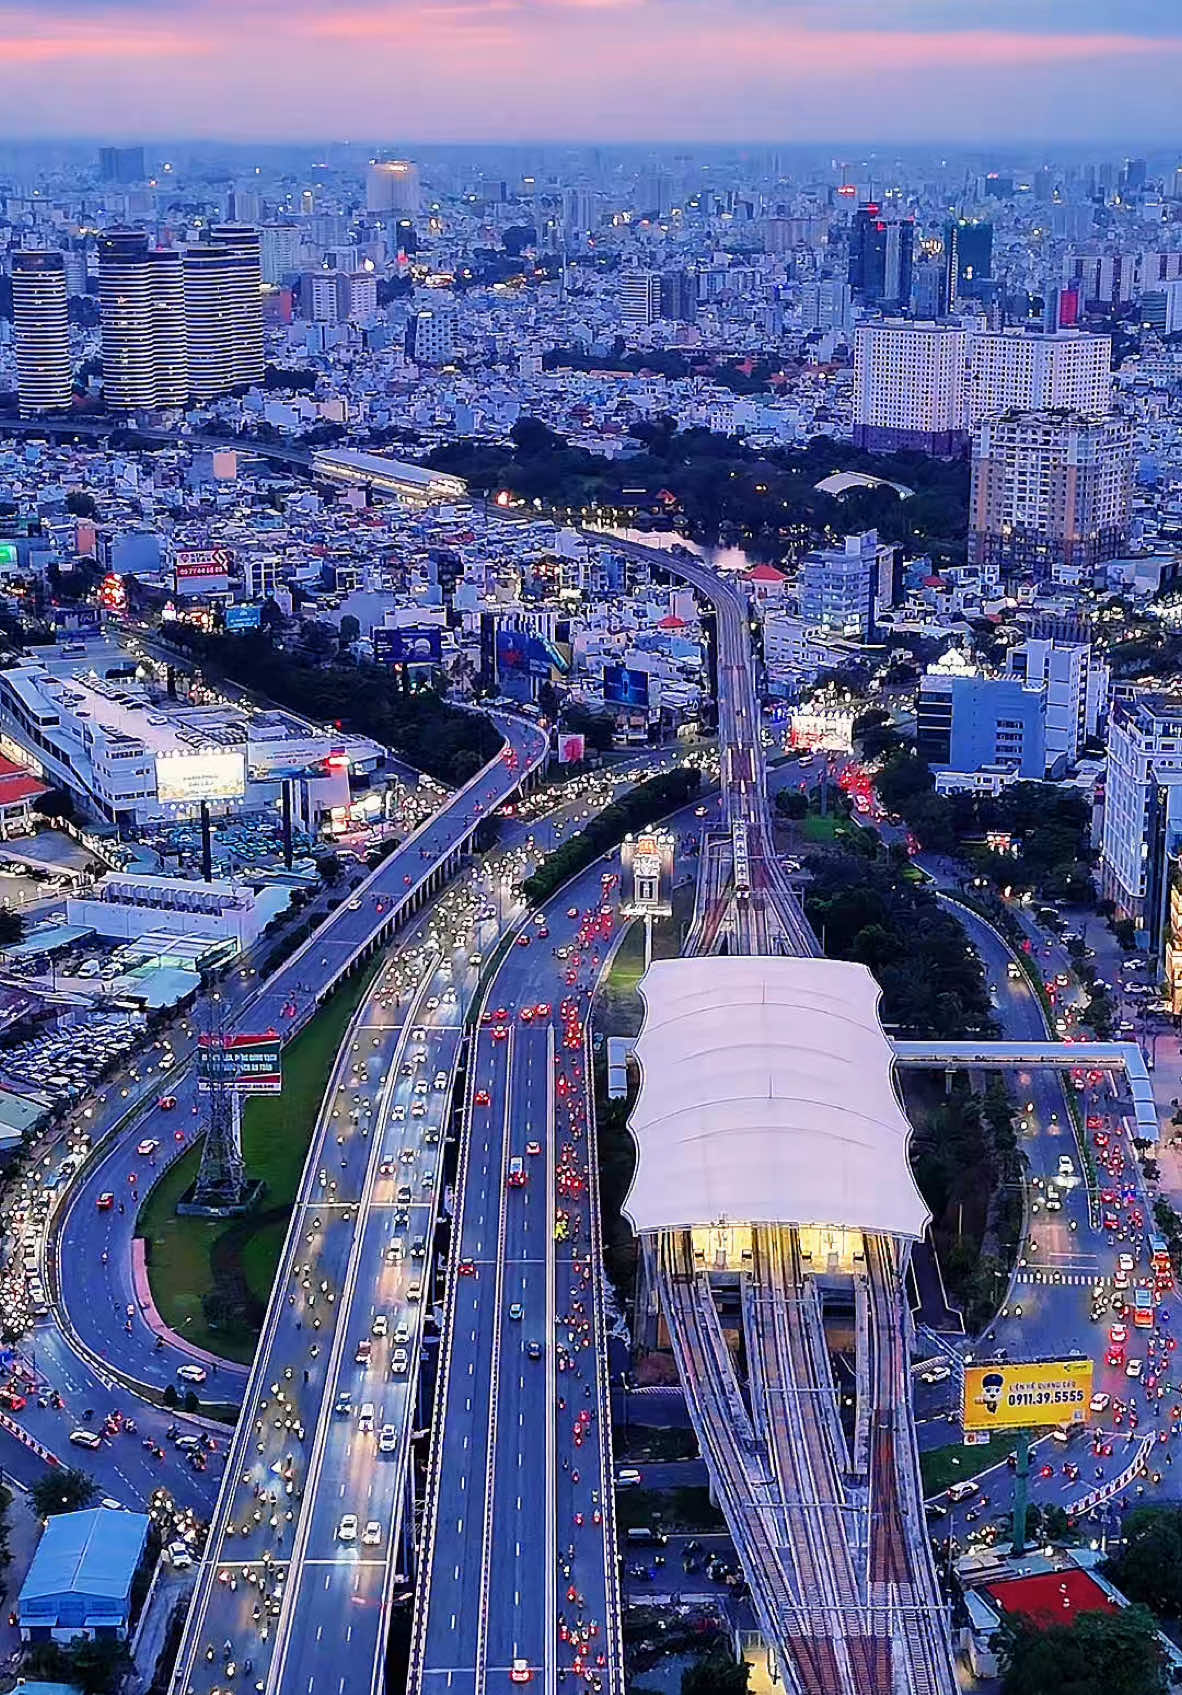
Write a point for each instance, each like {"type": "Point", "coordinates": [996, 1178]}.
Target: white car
{"type": "Point", "coordinates": [191, 1373]}
{"type": "Point", "coordinates": [372, 1534]}
{"type": "Point", "coordinates": [1134, 1368]}
{"type": "Point", "coordinates": [347, 1529]}
{"type": "Point", "coordinates": [1099, 1402]}
{"type": "Point", "coordinates": [147, 1147]}
{"type": "Point", "coordinates": [387, 1439]}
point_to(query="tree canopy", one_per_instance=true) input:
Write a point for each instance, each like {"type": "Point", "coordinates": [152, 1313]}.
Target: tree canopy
{"type": "Point", "coordinates": [1099, 1654]}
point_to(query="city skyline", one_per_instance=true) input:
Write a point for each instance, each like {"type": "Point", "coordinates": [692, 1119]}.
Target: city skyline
{"type": "Point", "coordinates": [648, 70]}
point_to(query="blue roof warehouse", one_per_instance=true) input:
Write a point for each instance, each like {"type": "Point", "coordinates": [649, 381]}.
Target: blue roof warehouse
{"type": "Point", "coordinates": [79, 1583]}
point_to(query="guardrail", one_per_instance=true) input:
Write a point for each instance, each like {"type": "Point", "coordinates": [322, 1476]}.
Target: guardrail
{"type": "Point", "coordinates": [244, 1433]}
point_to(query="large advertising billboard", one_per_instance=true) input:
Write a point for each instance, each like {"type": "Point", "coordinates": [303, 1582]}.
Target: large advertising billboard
{"type": "Point", "coordinates": [243, 618]}
{"type": "Point", "coordinates": [572, 748]}
{"type": "Point", "coordinates": [646, 881]}
{"type": "Point", "coordinates": [248, 1064]}
{"type": "Point", "coordinates": [1005, 1395]}
{"type": "Point", "coordinates": [625, 687]}
{"type": "Point", "coordinates": [408, 645]}
{"type": "Point", "coordinates": [520, 654]}
{"type": "Point", "coordinates": [183, 779]}
{"type": "Point", "coordinates": [202, 570]}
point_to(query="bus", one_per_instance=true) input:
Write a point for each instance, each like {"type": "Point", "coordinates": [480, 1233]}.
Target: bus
{"type": "Point", "coordinates": [1159, 1253]}
{"type": "Point", "coordinates": [1142, 1309]}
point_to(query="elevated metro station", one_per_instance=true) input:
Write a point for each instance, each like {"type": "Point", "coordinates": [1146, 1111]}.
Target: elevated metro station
{"type": "Point", "coordinates": [776, 1209]}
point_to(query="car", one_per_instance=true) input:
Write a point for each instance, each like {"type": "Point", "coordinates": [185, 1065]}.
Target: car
{"type": "Point", "coordinates": [380, 1325]}
{"type": "Point", "coordinates": [190, 1372]}
{"type": "Point", "coordinates": [365, 1416]}
{"type": "Point", "coordinates": [499, 1033]}
{"type": "Point", "coordinates": [533, 1148]}
{"type": "Point", "coordinates": [629, 1478]}
{"type": "Point", "coordinates": [343, 1402]}
{"type": "Point", "coordinates": [520, 1672]}
{"type": "Point", "coordinates": [371, 1536]}
{"type": "Point", "coordinates": [105, 1201]}
{"type": "Point", "coordinates": [414, 1291]}
{"type": "Point", "coordinates": [147, 1147]}
{"type": "Point", "coordinates": [1118, 1335]}
{"type": "Point", "coordinates": [179, 1556]}
{"type": "Point", "coordinates": [387, 1439]}
{"type": "Point", "coordinates": [85, 1439]}
{"type": "Point", "coordinates": [482, 1097]}
{"type": "Point", "coordinates": [467, 1268]}
{"type": "Point", "coordinates": [166, 1103]}
{"type": "Point", "coordinates": [1134, 1368]}
{"type": "Point", "coordinates": [516, 1311]}
{"type": "Point", "coordinates": [523, 940]}
{"type": "Point", "coordinates": [364, 1351]}
{"type": "Point", "coordinates": [347, 1528]}
{"type": "Point", "coordinates": [534, 1350]}
{"type": "Point", "coordinates": [399, 1362]}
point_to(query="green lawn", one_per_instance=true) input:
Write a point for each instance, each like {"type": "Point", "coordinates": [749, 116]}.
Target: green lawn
{"type": "Point", "coordinates": [941, 1467]}
{"type": "Point", "coordinates": [275, 1136]}
{"type": "Point", "coordinates": [617, 1005]}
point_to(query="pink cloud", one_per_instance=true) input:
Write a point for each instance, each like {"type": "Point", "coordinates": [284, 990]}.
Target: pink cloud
{"type": "Point", "coordinates": [513, 68]}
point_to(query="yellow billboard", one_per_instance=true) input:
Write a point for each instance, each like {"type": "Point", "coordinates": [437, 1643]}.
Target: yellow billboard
{"type": "Point", "coordinates": [1005, 1396]}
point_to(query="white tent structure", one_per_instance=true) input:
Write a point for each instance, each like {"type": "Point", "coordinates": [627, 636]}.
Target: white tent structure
{"type": "Point", "coordinates": [767, 1097]}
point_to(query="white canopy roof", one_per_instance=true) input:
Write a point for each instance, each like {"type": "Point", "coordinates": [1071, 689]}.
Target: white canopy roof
{"type": "Point", "coordinates": [767, 1097]}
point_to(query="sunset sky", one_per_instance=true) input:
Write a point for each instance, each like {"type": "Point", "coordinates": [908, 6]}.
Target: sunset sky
{"type": "Point", "coordinates": [727, 70]}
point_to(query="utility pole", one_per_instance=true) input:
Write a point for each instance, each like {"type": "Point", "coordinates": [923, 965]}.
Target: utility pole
{"type": "Point", "coordinates": [221, 1177]}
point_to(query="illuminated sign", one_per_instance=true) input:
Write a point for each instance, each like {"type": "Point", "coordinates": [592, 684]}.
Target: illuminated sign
{"type": "Point", "coordinates": [202, 570]}
{"type": "Point", "coordinates": [624, 687]}
{"type": "Point", "coordinates": [183, 779]}
{"type": "Point", "coordinates": [646, 882]}
{"type": "Point", "coordinates": [243, 617]}
{"type": "Point", "coordinates": [408, 645]}
{"type": "Point", "coordinates": [1006, 1396]}
{"type": "Point", "coordinates": [249, 1065]}
{"type": "Point", "coordinates": [572, 748]}
{"type": "Point", "coordinates": [8, 555]}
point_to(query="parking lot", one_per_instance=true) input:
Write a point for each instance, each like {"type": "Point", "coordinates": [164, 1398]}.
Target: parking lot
{"type": "Point", "coordinates": [63, 1062]}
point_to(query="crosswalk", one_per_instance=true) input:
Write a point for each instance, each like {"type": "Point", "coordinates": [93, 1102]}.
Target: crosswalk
{"type": "Point", "coordinates": [1069, 1279]}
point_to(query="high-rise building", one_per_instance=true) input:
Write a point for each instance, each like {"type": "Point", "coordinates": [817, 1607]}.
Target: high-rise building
{"type": "Point", "coordinates": [142, 303]}
{"type": "Point", "coordinates": [881, 251]}
{"type": "Point", "coordinates": [1036, 372]}
{"type": "Point", "coordinates": [1058, 658]}
{"type": "Point", "coordinates": [431, 335]}
{"type": "Point", "coordinates": [41, 333]}
{"type": "Point", "coordinates": [826, 304]}
{"type": "Point", "coordinates": [640, 298]}
{"type": "Point", "coordinates": [909, 386]}
{"type": "Point", "coordinates": [324, 297]}
{"type": "Point", "coordinates": [224, 311]}
{"type": "Point", "coordinates": [929, 290]}
{"type": "Point", "coordinates": [679, 296]}
{"type": "Point", "coordinates": [1142, 826]}
{"type": "Point", "coordinates": [122, 164]}
{"type": "Point", "coordinates": [580, 214]}
{"type": "Point", "coordinates": [279, 252]}
{"type": "Point", "coordinates": [968, 258]}
{"type": "Point", "coordinates": [996, 727]}
{"type": "Point", "coordinates": [392, 185]}
{"type": "Point", "coordinates": [837, 586]}
{"type": "Point", "coordinates": [1050, 494]}
{"type": "Point", "coordinates": [1161, 308]}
